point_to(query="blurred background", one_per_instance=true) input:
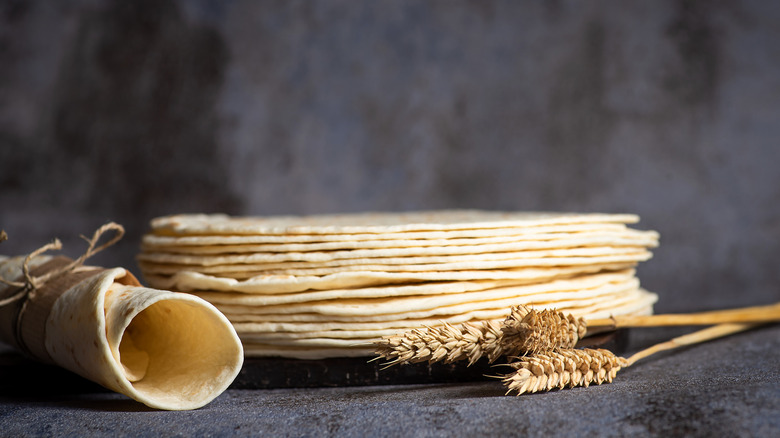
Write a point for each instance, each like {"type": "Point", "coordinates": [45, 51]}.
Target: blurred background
{"type": "Point", "coordinates": [125, 111]}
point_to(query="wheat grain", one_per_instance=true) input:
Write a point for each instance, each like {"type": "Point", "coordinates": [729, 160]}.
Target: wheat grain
{"type": "Point", "coordinates": [449, 343]}
{"type": "Point", "coordinates": [561, 369]}
{"type": "Point", "coordinates": [528, 330]}
{"type": "Point", "coordinates": [524, 331]}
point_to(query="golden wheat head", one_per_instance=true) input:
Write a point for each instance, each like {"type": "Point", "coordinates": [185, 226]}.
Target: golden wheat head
{"type": "Point", "coordinates": [449, 343]}
{"type": "Point", "coordinates": [530, 331]}
{"type": "Point", "coordinates": [564, 368]}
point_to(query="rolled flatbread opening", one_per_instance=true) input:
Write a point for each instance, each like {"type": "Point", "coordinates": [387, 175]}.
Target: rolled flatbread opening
{"type": "Point", "coordinates": [168, 350]}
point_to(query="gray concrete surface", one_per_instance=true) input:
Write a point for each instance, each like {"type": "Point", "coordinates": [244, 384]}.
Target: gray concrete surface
{"type": "Point", "coordinates": [728, 387]}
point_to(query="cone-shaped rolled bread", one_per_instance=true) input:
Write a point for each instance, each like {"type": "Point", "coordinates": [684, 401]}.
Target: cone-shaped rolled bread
{"type": "Point", "coordinates": [164, 349]}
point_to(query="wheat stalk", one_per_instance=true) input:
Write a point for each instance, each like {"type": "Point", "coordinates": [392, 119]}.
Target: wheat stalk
{"type": "Point", "coordinates": [524, 331]}
{"type": "Point", "coordinates": [564, 368]}
{"type": "Point", "coordinates": [754, 314]}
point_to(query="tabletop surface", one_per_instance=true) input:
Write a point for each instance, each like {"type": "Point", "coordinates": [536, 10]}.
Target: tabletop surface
{"type": "Point", "coordinates": [726, 387]}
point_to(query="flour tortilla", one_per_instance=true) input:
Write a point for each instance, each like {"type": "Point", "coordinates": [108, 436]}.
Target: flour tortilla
{"type": "Point", "coordinates": [305, 353]}
{"type": "Point", "coordinates": [643, 302]}
{"type": "Point", "coordinates": [463, 264]}
{"type": "Point", "coordinates": [402, 290]}
{"type": "Point", "coordinates": [375, 240]}
{"type": "Point", "coordinates": [369, 223]}
{"type": "Point", "coordinates": [580, 287]}
{"type": "Point", "coordinates": [167, 350]}
{"type": "Point", "coordinates": [414, 246]}
{"type": "Point", "coordinates": [390, 256]}
{"type": "Point", "coordinates": [385, 291]}
{"type": "Point", "coordinates": [562, 299]}
{"type": "Point", "coordinates": [258, 283]}
{"type": "Point", "coordinates": [638, 303]}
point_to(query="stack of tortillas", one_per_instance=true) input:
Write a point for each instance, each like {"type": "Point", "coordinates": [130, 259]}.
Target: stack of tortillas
{"type": "Point", "coordinates": [328, 285]}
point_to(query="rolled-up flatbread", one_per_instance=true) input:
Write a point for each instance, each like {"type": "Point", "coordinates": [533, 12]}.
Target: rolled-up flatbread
{"type": "Point", "coordinates": [168, 350]}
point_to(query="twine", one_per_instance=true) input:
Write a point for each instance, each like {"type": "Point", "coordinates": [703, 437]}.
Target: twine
{"type": "Point", "coordinates": [33, 283]}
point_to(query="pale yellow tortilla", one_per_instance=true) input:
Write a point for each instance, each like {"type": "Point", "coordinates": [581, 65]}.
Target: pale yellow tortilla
{"type": "Point", "coordinates": [464, 264]}
{"type": "Point", "coordinates": [402, 290]}
{"type": "Point", "coordinates": [359, 223]}
{"type": "Point", "coordinates": [374, 240]}
{"type": "Point", "coordinates": [360, 307]}
{"type": "Point", "coordinates": [440, 246]}
{"type": "Point", "coordinates": [167, 350]}
{"type": "Point", "coordinates": [563, 300]}
{"type": "Point", "coordinates": [181, 352]}
{"type": "Point", "coordinates": [387, 256]}
{"type": "Point", "coordinates": [258, 283]}
{"type": "Point", "coordinates": [306, 353]}
{"type": "Point", "coordinates": [644, 300]}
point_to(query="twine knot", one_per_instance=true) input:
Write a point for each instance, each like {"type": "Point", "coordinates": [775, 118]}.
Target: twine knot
{"type": "Point", "coordinates": [31, 283]}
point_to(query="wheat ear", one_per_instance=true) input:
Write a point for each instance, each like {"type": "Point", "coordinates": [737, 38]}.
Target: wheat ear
{"type": "Point", "coordinates": [529, 330]}
{"type": "Point", "coordinates": [525, 330]}
{"type": "Point", "coordinates": [467, 341]}
{"type": "Point", "coordinates": [567, 368]}
{"type": "Point", "coordinates": [562, 368]}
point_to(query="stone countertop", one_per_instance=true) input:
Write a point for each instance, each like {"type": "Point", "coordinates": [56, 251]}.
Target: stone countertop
{"type": "Point", "coordinates": [726, 387]}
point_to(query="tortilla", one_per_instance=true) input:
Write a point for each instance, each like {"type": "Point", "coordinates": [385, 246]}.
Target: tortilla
{"type": "Point", "coordinates": [307, 353]}
{"type": "Point", "coordinates": [353, 241]}
{"type": "Point", "coordinates": [462, 264]}
{"type": "Point", "coordinates": [578, 288]}
{"type": "Point", "coordinates": [167, 350]}
{"type": "Point", "coordinates": [399, 290]}
{"type": "Point", "coordinates": [390, 256]}
{"type": "Point", "coordinates": [562, 299]}
{"type": "Point", "coordinates": [373, 223]}
{"type": "Point", "coordinates": [254, 324]}
{"type": "Point", "coordinates": [414, 246]}
{"type": "Point", "coordinates": [251, 282]}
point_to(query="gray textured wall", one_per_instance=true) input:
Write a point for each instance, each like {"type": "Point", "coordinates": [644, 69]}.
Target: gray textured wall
{"type": "Point", "coordinates": [124, 111]}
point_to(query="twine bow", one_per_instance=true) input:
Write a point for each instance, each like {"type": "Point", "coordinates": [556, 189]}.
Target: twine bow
{"type": "Point", "coordinates": [31, 283]}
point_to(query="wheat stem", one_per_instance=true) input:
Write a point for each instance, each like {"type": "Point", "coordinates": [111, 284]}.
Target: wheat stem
{"type": "Point", "coordinates": [707, 334]}
{"type": "Point", "coordinates": [755, 314]}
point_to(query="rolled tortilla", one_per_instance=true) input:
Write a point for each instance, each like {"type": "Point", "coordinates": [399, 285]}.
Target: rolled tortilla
{"type": "Point", "coordinates": [168, 350]}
